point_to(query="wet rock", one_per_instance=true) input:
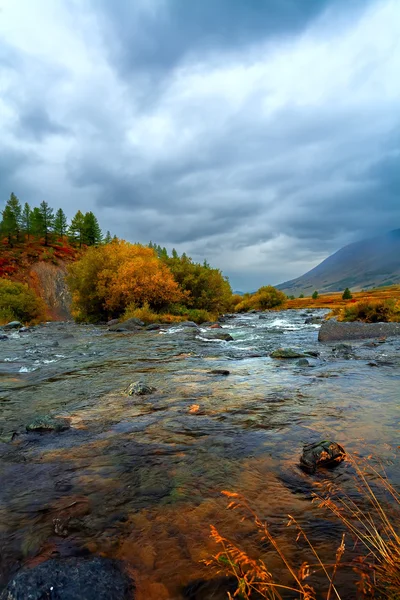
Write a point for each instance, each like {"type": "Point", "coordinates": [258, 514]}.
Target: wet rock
{"type": "Point", "coordinates": [225, 318]}
{"type": "Point", "coordinates": [286, 353]}
{"type": "Point", "coordinates": [332, 330]}
{"type": "Point", "coordinates": [303, 362]}
{"type": "Point", "coordinates": [321, 454]}
{"type": "Point", "coordinates": [372, 364]}
{"type": "Point", "coordinates": [153, 327]}
{"type": "Point", "coordinates": [25, 330]}
{"type": "Point", "coordinates": [46, 424]}
{"type": "Point", "coordinates": [128, 325]}
{"type": "Point", "coordinates": [218, 336]}
{"type": "Point", "coordinates": [262, 317]}
{"type": "Point", "coordinates": [3, 336]}
{"type": "Point", "coordinates": [313, 321]}
{"type": "Point", "coordinates": [215, 326]}
{"type": "Point", "coordinates": [113, 322]}
{"type": "Point", "coordinates": [71, 579]}
{"type": "Point", "coordinates": [224, 372]}
{"type": "Point", "coordinates": [313, 353]}
{"type": "Point", "coordinates": [139, 388]}
{"type": "Point", "coordinates": [12, 325]}
{"type": "Point", "coordinates": [188, 324]}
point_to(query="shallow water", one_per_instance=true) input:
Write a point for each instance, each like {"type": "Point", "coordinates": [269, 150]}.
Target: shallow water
{"type": "Point", "coordinates": [139, 478]}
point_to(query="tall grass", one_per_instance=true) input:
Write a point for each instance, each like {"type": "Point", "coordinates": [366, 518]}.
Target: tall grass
{"type": "Point", "coordinates": [372, 523]}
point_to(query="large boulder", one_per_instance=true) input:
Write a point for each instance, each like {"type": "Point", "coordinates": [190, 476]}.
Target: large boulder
{"type": "Point", "coordinates": [286, 353]}
{"type": "Point", "coordinates": [128, 325]}
{"type": "Point", "coordinates": [321, 454]}
{"type": "Point", "coordinates": [333, 330]}
{"type": "Point", "coordinates": [71, 579]}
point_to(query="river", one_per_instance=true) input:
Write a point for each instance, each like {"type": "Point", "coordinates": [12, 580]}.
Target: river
{"type": "Point", "coordinates": [139, 478]}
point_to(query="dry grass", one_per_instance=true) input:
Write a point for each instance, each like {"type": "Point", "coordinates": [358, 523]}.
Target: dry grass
{"type": "Point", "coordinates": [372, 523]}
{"type": "Point", "coordinates": [335, 301]}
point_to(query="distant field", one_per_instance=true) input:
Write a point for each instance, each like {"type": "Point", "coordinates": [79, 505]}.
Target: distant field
{"type": "Point", "coordinates": [334, 300]}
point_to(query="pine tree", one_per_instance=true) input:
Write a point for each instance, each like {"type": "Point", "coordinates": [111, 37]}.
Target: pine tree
{"type": "Point", "coordinates": [92, 233]}
{"type": "Point", "coordinates": [26, 219]}
{"type": "Point", "coordinates": [315, 295]}
{"type": "Point", "coordinates": [77, 228]}
{"type": "Point", "coordinates": [60, 223]}
{"type": "Point", "coordinates": [347, 295]}
{"type": "Point", "coordinates": [9, 225]}
{"type": "Point", "coordinates": [36, 222]}
{"type": "Point", "coordinates": [108, 238]}
{"type": "Point", "coordinates": [15, 207]}
{"type": "Point", "coordinates": [47, 215]}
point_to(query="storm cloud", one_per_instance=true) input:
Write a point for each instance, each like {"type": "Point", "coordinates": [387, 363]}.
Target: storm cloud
{"type": "Point", "coordinates": [261, 136]}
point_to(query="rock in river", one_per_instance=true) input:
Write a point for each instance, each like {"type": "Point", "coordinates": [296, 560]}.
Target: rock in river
{"type": "Point", "coordinates": [13, 325]}
{"type": "Point", "coordinates": [128, 325]}
{"type": "Point", "coordinates": [139, 388]}
{"type": "Point", "coordinates": [286, 353]}
{"type": "Point", "coordinates": [216, 335]}
{"type": "Point", "coordinates": [321, 454]}
{"type": "Point", "coordinates": [303, 362]}
{"type": "Point", "coordinates": [71, 579]}
{"type": "Point", "coordinates": [224, 372]}
{"type": "Point", "coordinates": [45, 424]}
{"type": "Point", "coordinates": [332, 330]}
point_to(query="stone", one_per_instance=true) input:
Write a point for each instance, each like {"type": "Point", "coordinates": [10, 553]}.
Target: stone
{"type": "Point", "coordinates": [313, 321]}
{"type": "Point", "coordinates": [12, 325]}
{"type": "Point", "coordinates": [153, 327]}
{"type": "Point", "coordinates": [188, 324]}
{"type": "Point", "coordinates": [128, 325]}
{"type": "Point", "coordinates": [226, 337]}
{"type": "Point", "coordinates": [113, 322]}
{"type": "Point", "coordinates": [262, 317]}
{"type": "Point", "coordinates": [3, 336]}
{"type": "Point", "coordinates": [303, 362]}
{"type": "Point", "coordinates": [24, 330]}
{"type": "Point", "coordinates": [139, 388]}
{"type": "Point", "coordinates": [286, 353]}
{"type": "Point", "coordinates": [45, 424]}
{"type": "Point", "coordinates": [215, 326]}
{"type": "Point", "coordinates": [321, 454]}
{"type": "Point", "coordinates": [333, 330]}
{"type": "Point", "coordinates": [94, 578]}
{"type": "Point", "coordinates": [220, 372]}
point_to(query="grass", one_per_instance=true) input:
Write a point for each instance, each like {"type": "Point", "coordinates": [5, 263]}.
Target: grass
{"type": "Point", "coordinates": [370, 515]}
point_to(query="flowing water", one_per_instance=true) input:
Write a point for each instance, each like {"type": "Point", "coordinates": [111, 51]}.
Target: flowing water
{"type": "Point", "coordinates": [140, 477]}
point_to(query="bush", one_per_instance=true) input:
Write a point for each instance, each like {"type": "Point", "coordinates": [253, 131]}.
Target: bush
{"type": "Point", "coordinates": [18, 302]}
{"type": "Point", "coordinates": [315, 295]}
{"type": "Point", "coordinates": [176, 314]}
{"type": "Point", "coordinates": [372, 312]}
{"type": "Point", "coordinates": [265, 298]}
{"type": "Point", "coordinates": [347, 295]}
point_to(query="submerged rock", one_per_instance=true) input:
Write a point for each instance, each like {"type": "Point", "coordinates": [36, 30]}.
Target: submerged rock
{"type": "Point", "coordinates": [71, 579]}
{"type": "Point", "coordinates": [286, 353]}
{"type": "Point", "coordinates": [303, 362]}
{"type": "Point", "coordinates": [220, 372]}
{"type": "Point", "coordinates": [153, 327]}
{"type": "Point", "coordinates": [313, 321]}
{"type": "Point", "coordinates": [46, 424]}
{"type": "Point", "coordinates": [188, 324]}
{"type": "Point", "coordinates": [216, 335]}
{"type": "Point", "coordinates": [321, 454]}
{"type": "Point", "coordinates": [3, 336]}
{"type": "Point", "coordinates": [12, 325]}
{"type": "Point", "coordinates": [113, 322]}
{"type": "Point", "coordinates": [139, 388]}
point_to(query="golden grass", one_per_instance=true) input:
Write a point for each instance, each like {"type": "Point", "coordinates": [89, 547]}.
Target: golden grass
{"type": "Point", "coordinates": [372, 522]}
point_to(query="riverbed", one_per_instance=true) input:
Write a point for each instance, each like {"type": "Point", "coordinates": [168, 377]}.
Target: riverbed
{"type": "Point", "coordinates": [139, 478]}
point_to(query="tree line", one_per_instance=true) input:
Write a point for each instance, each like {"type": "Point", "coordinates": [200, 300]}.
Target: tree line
{"type": "Point", "coordinates": [21, 223]}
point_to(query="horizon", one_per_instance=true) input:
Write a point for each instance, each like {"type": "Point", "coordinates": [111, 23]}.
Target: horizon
{"type": "Point", "coordinates": [260, 139]}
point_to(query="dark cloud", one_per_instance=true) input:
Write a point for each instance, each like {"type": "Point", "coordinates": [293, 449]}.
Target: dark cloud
{"type": "Point", "coordinates": [262, 136]}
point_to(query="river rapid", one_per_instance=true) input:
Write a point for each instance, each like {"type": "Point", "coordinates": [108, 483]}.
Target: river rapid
{"type": "Point", "coordinates": [139, 478]}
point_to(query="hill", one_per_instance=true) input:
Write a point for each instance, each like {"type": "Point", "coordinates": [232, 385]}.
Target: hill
{"type": "Point", "coordinates": [367, 264]}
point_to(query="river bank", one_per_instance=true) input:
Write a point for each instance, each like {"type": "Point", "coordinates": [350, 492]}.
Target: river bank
{"type": "Point", "coordinates": [138, 478]}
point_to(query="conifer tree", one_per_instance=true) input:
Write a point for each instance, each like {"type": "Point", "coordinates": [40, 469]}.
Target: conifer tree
{"type": "Point", "coordinates": [47, 221]}
{"type": "Point", "coordinates": [26, 219]}
{"type": "Point", "coordinates": [77, 228]}
{"type": "Point", "coordinates": [36, 222]}
{"type": "Point", "coordinates": [16, 208]}
{"type": "Point", "coordinates": [60, 223]}
{"type": "Point", "coordinates": [92, 233]}
{"type": "Point", "coordinates": [108, 238]}
{"type": "Point", "coordinates": [9, 225]}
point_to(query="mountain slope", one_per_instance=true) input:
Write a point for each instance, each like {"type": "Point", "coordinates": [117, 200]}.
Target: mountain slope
{"type": "Point", "coordinates": [366, 264]}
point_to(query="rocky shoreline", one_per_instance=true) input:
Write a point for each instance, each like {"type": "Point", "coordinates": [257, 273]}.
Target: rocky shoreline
{"type": "Point", "coordinates": [333, 331]}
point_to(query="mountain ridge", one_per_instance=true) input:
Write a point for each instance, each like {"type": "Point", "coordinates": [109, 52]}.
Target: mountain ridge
{"type": "Point", "coordinates": [368, 263]}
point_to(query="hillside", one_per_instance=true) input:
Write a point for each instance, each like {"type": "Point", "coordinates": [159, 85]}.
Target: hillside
{"type": "Point", "coordinates": [367, 264]}
{"type": "Point", "coordinates": [43, 268]}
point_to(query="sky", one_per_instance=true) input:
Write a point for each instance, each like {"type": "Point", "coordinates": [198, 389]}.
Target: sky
{"type": "Point", "coordinates": [261, 135]}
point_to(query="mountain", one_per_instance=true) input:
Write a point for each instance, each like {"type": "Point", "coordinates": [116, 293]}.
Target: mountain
{"type": "Point", "coordinates": [370, 263]}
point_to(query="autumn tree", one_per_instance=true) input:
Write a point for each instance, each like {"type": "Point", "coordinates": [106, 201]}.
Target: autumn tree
{"type": "Point", "coordinates": [60, 223]}
{"type": "Point", "coordinates": [110, 277]}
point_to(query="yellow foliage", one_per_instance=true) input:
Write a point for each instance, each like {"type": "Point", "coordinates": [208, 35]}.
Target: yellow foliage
{"type": "Point", "coordinates": [109, 278]}
{"type": "Point", "coordinates": [19, 302]}
{"type": "Point", "coordinates": [265, 298]}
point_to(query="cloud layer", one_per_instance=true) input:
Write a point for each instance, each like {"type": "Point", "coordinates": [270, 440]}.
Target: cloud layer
{"type": "Point", "coordinates": [260, 138]}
